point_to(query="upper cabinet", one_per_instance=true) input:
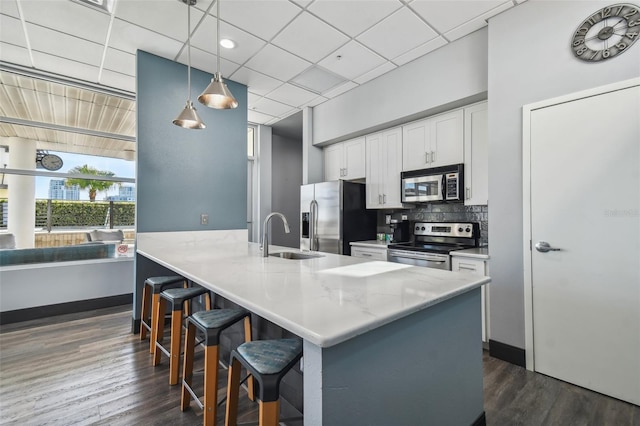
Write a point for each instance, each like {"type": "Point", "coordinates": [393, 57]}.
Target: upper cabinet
{"type": "Point", "coordinates": [383, 167]}
{"type": "Point", "coordinates": [434, 141]}
{"type": "Point", "coordinates": [476, 155]}
{"type": "Point", "coordinates": [345, 160]}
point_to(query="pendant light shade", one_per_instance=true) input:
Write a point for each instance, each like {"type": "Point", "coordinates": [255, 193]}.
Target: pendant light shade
{"type": "Point", "coordinates": [217, 95]}
{"type": "Point", "coordinates": [188, 117]}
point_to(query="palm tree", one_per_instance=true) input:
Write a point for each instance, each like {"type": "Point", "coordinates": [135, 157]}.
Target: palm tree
{"type": "Point", "coordinates": [92, 185]}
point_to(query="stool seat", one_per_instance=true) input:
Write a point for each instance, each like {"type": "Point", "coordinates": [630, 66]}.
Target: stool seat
{"type": "Point", "coordinates": [179, 295]}
{"type": "Point", "coordinates": [270, 356]}
{"type": "Point", "coordinates": [160, 282]}
{"type": "Point", "coordinates": [217, 318]}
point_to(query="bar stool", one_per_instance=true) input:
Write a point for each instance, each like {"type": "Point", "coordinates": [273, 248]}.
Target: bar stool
{"type": "Point", "coordinates": [267, 361]}
{"type": "Point", "coordinates": [153, 286]}
{"type": "Point", "coordinates": [177, 297]}
{"type": "Point", "coordinates": [211, 324]}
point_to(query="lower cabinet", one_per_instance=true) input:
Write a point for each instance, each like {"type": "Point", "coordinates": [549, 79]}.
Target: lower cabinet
{"type": "Point", "coordinates": [476, 267]}
{"type": "Point", "coordinates": [370, 253]}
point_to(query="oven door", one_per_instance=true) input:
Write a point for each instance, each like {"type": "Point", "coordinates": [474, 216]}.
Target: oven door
{"type": "Point", "coordinates": [418, 258]}
{"type": "Point", "coordinates": [422, 188]}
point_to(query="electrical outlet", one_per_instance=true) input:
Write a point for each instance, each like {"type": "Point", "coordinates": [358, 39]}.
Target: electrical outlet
{"type": "Point", "coordinates": [204, 219]}
{"type": "Point", "coordinates": [404, 217]}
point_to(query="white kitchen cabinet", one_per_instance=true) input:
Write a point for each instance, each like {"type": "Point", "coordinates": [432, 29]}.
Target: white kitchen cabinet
{"type": "Point", "coordinates": [433, 142]}
{"type": "Point", "coordinates": [475, 266]}
{"type": "Point", "coordinates": [345, 160]}
{"type": "Point", "coordinates": [371, 253]}
{"type": "Point", "coordinates": [383, 167]}
{"type": "Point", "coordinates": [476, 155]}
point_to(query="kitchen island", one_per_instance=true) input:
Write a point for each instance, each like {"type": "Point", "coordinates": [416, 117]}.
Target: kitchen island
{"type": "Point", "coordinates": [384, 343]}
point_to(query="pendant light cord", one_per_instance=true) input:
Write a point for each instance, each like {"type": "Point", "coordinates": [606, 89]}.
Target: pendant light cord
{"type": "Point", "coordinates": [218, 34]}
{"type": "Point", "coordinates": [189, 50]}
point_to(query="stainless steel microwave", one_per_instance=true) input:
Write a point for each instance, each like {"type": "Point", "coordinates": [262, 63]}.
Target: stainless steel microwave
{"type": "Point", "coordinates": [434, 185]}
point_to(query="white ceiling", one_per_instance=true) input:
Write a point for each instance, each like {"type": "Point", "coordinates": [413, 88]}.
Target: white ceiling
{"type": "Point", "coordinates": [290, 53]}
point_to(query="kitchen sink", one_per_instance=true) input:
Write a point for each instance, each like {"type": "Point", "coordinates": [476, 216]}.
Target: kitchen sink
{"type": "Point", "coordinates": [295, 255]}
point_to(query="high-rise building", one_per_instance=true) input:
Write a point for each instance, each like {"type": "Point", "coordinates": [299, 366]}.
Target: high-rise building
{"type": "Point", "coordinates": [72, 192]}
{"type": "Point", "coordinates": [125, 193]}
{"type": "Point", "coordinates": [56, 189]}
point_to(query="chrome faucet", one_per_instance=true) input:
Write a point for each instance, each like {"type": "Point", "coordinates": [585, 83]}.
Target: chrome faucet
{"type": "Point", "coordinates": [265, 231]}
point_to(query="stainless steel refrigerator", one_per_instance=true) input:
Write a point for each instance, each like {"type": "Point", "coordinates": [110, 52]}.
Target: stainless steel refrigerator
{"type": "Point", "coordinates": [333, 214]}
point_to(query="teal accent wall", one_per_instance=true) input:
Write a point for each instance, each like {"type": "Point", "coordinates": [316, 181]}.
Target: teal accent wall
{"type": "Point", "coordinates": [183, 173]}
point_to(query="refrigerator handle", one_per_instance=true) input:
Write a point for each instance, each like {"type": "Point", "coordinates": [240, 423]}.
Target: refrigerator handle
{"type": "Point", "coordinates": [313, 220]}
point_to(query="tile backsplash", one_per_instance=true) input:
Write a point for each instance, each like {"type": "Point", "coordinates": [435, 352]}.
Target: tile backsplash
{"type": "Point", "coordinates": [441, 213]}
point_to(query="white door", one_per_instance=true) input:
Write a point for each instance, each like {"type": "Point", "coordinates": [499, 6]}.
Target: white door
{"type": "Point", "coordinates": [585, 201]}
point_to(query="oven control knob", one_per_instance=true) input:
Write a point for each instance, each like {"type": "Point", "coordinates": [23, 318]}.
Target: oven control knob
{"type": "Point", "coordinates": [418, 228]}
{"type": "Point", "coordinates": [460, 229]}
{"type": "Point", "coordinates": [468, 230]}
{"type": "Point", "coordinates": [423, 228]}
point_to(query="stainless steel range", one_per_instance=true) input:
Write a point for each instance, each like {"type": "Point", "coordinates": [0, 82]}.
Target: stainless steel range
{"type": "Point", "coordinates": [432, 242]}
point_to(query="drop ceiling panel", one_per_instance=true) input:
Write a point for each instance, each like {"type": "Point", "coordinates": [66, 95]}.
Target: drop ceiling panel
{"type": "Point", "coordinates": [207, 62]}
{"type": "Point", "coordinates": [315, 102]}
{"type": "Point", "coordinates": [340, 89]}
{"type": "Point", "coordinates": [277, 63]}
{"type": "Point", "coordinates": [9, 7]}
{"type": "Point", "coordinates": [115, 79]}
{"type": "Point", "coordinates": [263, 18]}
{"type": "Point", "coordinates": [421, 50]}
{"type": "Point", "coordinates": [246, 44]}
{"type": "Point", "coordinates": [444, 15]}
{"type": "Point", "coordinates": [267, 106]}
{"type": "Point", "coordinates": [475, 23]}
{"type": "Point", "coordinates": [65, 67]}
{"type": "Point", "coordinates": [397, 34]}
{"type": "Point", "coordinates": [11, 31]}
{"type": "Point", "coordinates": [256, 82]}
{"type": "Point", "coordinates": [128, 37]}
{"type": "Point", "coordinates": [119, 61]}
{"type": "Point", "coordinates": [292, 95]}
{"type": "Point", "coordinates": [377, 72]}
{"type": "Point", "coordinates": [68, 17]}
{"type": "Point", "coordinates": [164, 17]}
{"type": "Point", "coordinates": [354, 16]}
{"type": "Point", "coordinates": [352, 60]}
{"type": "Point", "coordinates": [14, 54]}
{"type": "Point", "coordinates": [258, 117]}
{"type": "Point", "coordinates": [64, 46]}
{"type": "Point", "coordinates": [309, 38]}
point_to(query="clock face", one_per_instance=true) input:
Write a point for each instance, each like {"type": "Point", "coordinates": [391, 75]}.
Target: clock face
{"type": "Point", "coordinates": [51, 162]}
{"type": "Point", "coordinates": [607, 33]}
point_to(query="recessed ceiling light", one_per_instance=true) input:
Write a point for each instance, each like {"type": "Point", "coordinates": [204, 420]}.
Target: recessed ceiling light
{"type": "Point", "coordinates": [227, 43]}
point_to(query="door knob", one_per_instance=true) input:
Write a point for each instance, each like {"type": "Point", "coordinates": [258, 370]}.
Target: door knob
{"type": "Point", "coordinates": [543, 247]}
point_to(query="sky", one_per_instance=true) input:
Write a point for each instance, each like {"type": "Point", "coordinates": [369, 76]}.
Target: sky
{"type": "Point", "coordinates": [121, 168]}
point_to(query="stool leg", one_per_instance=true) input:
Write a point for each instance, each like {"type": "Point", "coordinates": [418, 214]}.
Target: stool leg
{"type": "Point", "coordinates": [233, 389]}
{"type": "Point", "coordinates": [176, 337]}
{"type": "Point", "coordinates": [187, 371]}
{"type": "Point", "coordinates": [247, 338]}
{"type": "Point", "coordinates": [207, 301]}
{"type": "Point", "coordinates": [269, 413]}
{"type": "Point", "coordinates": [156, 314]}
{"type": "Point", "coordinates": [158, 334]}
{"type": "Point", "coordinates": [144, 315]}
{"type": "Point", "coordinates": [210, 384]}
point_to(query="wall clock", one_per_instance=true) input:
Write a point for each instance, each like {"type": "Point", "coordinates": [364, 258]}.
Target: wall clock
{"type": "Point", "coordinates": [607, 33]}
{"type": "Point", "coordinates": [51, 162]}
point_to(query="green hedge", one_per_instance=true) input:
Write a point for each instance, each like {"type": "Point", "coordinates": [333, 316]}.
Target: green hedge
{"type": "Point", "coordinates": [81, 213]}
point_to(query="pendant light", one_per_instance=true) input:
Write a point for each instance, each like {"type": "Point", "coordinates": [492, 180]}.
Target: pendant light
{"type": "Point", "coordinates": [217, 94]}
{"type": "Point", "coordinates": [188, 117]}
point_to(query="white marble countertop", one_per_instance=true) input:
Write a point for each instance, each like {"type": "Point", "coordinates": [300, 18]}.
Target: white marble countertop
{"type": "Point", "coordinates": [325, 300]}
{"type": "Point", "coordinates": [370, 243]}
{"type": "Point", "coordinates": [477, 252]}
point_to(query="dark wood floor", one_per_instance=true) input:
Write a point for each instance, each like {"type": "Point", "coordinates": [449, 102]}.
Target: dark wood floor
{"type": "Point", "coordinates": [88, 369]}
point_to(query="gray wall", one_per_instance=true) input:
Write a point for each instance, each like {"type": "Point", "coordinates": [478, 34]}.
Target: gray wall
{"type": "Point", "coordinates": [451, 76]}
{"type": "Point", "coordinates": [182, 173]}
{"type": "Point", "coordinates": [286, 166]}
{"type": "Point", "coordinates": [529, 60]}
